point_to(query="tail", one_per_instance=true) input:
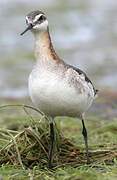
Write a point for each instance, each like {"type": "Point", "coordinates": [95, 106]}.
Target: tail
{"type": "Point", "coordinates": [96, 93]}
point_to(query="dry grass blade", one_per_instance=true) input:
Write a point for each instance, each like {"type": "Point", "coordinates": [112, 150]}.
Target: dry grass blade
{"type": "Point", "coordinates": [17, 150]}
{"type": "Point", "coordinates": [23, 106]}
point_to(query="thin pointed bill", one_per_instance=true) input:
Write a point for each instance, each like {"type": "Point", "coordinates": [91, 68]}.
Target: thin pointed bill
{"type": "Point", "coordinates": [27, 29]}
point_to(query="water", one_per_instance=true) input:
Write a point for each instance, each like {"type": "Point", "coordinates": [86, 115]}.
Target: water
{"type": "Point", "coordinates": [84, 33]}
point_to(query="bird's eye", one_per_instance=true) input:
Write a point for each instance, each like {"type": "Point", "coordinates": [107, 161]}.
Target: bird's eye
{"type": "Point", "coordinates": [41, 18]}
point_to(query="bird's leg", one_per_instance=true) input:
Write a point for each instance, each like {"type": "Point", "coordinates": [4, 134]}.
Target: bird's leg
{"type": "Point", "coordinates": [51, 144]}
{"type": "Point", "coordinates": [84, 133]}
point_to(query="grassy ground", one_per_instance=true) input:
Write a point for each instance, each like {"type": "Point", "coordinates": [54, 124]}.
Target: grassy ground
{"type": "Point", "coordinates": [102, 135]}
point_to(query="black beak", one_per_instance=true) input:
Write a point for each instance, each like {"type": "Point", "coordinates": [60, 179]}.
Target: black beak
{"type": "Point", "coordinates": [30, 26]}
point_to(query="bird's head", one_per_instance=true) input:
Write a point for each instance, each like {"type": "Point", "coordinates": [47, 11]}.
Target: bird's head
{"type": "Point", "coordinates": [36, 21]}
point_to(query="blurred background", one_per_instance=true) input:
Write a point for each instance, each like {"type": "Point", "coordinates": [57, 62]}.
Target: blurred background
{"type": "Point", "coordinates": [84, 33]}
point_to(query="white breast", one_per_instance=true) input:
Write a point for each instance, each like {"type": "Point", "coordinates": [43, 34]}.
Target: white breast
{"type": "Point", "coordinates": [53, 95]}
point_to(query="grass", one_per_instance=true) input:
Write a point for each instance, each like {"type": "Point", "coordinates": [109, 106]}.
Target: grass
{"type": "Point", "coordinates": [24, 142]}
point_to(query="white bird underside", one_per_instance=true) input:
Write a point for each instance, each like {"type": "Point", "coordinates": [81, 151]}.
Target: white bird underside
{"type": "Point", "coordinates": [60, 91]}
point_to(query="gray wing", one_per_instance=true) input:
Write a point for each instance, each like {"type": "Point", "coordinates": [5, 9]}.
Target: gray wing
{"type": "Point", "coordinates": [79, 71]}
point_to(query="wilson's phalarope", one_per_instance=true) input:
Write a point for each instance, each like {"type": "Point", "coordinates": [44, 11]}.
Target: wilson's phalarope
{"type": "Point", "coordinates": [56, 88]}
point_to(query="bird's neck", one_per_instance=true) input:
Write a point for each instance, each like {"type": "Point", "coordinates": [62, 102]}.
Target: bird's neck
{"type": "Point", "coordinates": [44, 50]}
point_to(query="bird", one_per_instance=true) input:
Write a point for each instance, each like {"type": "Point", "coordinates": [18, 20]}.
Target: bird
{"type": "Point", "coordinates": [55, 87]}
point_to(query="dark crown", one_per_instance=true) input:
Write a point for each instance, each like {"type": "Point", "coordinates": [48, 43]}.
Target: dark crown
{"type": "Point", "coordinates": [34, 13]}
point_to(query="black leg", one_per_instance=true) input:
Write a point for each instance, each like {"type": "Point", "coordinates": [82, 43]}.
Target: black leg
{"type": "Point", "coordinates": [51, 144]}
{"type": "Point", "coordinates": [84, 132]}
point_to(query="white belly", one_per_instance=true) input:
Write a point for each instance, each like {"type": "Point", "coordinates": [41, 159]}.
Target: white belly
{"type": "Point", "coordinates": [55, 97]}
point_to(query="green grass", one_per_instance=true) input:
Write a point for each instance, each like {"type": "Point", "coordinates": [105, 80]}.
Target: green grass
{"type": "Point", "coordinates": [98, 172]}
{"type": "Point", "coordinates": [102, 136]}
